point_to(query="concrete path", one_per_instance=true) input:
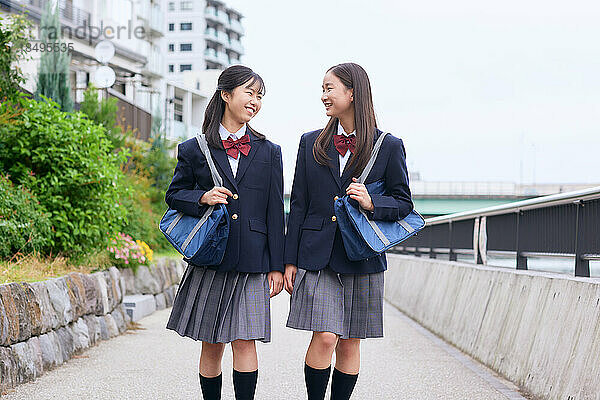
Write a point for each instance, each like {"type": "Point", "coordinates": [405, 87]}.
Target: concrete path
{"type": "Point", "coordinates": [153, 363]}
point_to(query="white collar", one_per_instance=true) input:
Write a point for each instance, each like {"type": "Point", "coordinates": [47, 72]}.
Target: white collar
{"type": "Point", "coordinates": [341, 131]}
{"type": "Point", "coordinates": [225, 134]}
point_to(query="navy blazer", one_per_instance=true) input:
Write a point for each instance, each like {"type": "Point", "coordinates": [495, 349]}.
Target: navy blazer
{"type": "Point", "coordinates": [313, 239]}
{"type": "Point", "coordinates": [256, 230]}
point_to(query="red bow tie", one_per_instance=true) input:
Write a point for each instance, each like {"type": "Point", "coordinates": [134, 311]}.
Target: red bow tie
{"type": "Point", "coordinates": [234, 147]}
{"type": "Point", "coordinates": [344, 143]}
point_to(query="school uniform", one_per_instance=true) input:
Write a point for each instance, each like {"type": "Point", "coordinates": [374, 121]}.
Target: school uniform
{"type": "Point", "coordinates": [230, 301]}
{"type": "Point", "coordinates": [332, 293]}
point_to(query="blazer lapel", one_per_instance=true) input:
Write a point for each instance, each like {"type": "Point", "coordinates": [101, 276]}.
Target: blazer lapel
{"type": "Point", "coordinates": [246, 160]}
{"type": "Point", "coordinates": [334, 163]}
{"type": "Point", "coordinates": [220, 157]}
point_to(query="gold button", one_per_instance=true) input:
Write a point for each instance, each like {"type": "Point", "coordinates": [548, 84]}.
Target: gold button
{"type": "Point", "coordinates": [333, 218]}
{"type": "Point", "coordinates": [235, 196]}
{"type": "Point", "coordinates": [335, 198]}
{"type": "Point", "coordinates": [234, 216]}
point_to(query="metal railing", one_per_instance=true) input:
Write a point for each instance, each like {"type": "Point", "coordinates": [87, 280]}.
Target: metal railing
{"type": "Point", "coordinates": [564, 225]}
{"type": "Point", "coordinates": [67, 12]}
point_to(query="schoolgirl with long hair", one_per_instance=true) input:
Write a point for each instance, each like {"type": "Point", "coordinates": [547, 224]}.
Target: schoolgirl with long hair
{"type": "Point", "coordinates": [339, 300]}
{"type": "Point", "coordinates": [229, 303]}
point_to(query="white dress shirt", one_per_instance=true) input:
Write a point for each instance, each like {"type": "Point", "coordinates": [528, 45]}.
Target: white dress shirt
{"type": "Point", "coordinates": [225, 134]}
{"type": "Point", "coordinates": [344, 158]}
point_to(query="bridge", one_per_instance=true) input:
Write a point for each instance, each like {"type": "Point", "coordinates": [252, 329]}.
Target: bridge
{"type": "Point", "coordinates": [453, 329]}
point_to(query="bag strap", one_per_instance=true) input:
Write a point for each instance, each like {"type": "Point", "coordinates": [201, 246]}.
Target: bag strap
{"type": "Point", "coordinates": [363, 177]}
{"type": "Point", "coordinates": [216, 177]}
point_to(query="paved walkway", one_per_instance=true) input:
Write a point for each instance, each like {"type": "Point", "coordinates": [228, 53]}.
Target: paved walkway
{"type": "Point", "coordinates": [153, 363]}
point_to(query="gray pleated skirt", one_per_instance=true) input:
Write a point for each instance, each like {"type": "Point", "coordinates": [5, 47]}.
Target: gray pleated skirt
{"type": "Point", "coordinates": [220, 307]}
{"type": "Point", "coordinates": [349, 305]}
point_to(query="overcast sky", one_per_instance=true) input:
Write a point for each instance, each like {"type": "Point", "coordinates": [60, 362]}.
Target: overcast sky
{"type": "Point", "coordinates": [478, 90]}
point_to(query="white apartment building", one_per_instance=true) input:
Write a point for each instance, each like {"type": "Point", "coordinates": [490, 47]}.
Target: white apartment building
{"type": "Point", "coordinates": [201, 35]}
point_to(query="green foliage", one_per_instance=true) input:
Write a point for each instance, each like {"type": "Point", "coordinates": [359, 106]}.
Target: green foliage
{"type": "Point", "coordinates": [24, 224]}
{"type": "Point", "coordinates": [53, 74]}
{"type": "Point", "coordinates": [14, 36]}
{"type": "Point", "coordinates": [65, 159]}
{"type": "Point", "coordinates": [103, 112]}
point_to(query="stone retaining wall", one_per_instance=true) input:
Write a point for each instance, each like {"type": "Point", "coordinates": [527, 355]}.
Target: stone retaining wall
{"type": "Point", "coordinates": [43, 324]}
{"type": "Point", "coordinates": [540, 330]}
{"type": "Point", "coordinates": [160, 280]}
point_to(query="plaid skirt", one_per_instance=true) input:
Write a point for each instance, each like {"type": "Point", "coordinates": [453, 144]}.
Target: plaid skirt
{"type": "Point", "coordinates": [220, 307]}
{"type": "Point", "coordinates": [349, 305]}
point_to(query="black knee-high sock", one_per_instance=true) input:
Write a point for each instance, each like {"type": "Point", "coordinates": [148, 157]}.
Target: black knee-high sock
{"type": "Point", "coordinates": [244, 384]}
{"type": "Point", "coordinates": [342, 385]}
{"type": "Point", "coordinates": [211, 387]}
{"type": "Point", "coordinates": [316, 381]}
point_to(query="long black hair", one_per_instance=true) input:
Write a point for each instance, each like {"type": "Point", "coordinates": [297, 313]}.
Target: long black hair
{"type": "Point", "coordinates": [353, 76]}
{"type": "Point", "coordinates": [232, 77]}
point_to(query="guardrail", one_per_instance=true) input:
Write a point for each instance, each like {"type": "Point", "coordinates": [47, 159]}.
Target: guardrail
{"type": "Point", "coordinates": [563, 225]}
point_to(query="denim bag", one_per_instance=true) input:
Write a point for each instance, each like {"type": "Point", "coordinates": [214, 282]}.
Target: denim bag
{"type": "Point", "coordinates": [201, 241]}
{"type": "Point", "coordinates": [365, 238]}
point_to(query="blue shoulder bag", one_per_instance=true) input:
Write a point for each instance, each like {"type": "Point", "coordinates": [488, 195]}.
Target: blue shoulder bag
{"type": "Point", "coordinates": [364, 238]}
{"type": "Point", "coordinates": [201, 241]}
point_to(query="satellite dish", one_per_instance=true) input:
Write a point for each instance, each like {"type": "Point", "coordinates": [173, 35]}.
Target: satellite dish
{"type": "Point", "coordinates": [104, 77]}
{"type": "Point", "coordinates": [104, 51]}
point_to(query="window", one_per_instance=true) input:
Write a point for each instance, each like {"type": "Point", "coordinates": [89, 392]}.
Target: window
{"type": "Point", "coordinates": [185, 26]}
{"type": "Point", "coordinates": [171, 27]}
{"type": "Point", "coordinates": [186, 5]}
{"type": "Point", "coordinates": [185, 47]}
{"type": "Point", "coordinates": [171, 68]}
{"type": "Point", "coordinates": [171, 47]}
{"type": "Point", "coordinates": [185, 67]}
{"type": "Point", "coordinates": [171, 6]}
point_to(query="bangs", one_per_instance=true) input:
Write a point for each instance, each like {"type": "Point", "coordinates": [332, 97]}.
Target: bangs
{"type": "Point", "coordinates": [254, 80]}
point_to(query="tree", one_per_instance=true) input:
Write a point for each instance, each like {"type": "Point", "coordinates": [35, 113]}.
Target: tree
{"type": "Point", "coordinates": [53, 74]}
{"type": "Point", "coordinates": [14, 37]}
{"type": "Point", "coordinates": [103, 112]}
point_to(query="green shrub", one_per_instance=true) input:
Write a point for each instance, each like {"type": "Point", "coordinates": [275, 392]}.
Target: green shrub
{"type": "Point", "coordinates": [65, 159]}
{"type": "Point", "coordinates": [104, 113]}
{"type": "Point", "coordinates": [24, 225]}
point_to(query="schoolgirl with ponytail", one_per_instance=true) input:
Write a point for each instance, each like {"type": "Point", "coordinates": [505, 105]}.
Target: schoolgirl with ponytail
{"type": "Point", "coordinates": [229, 303]}
{"type": "Point", "coordinates": [339, 300]}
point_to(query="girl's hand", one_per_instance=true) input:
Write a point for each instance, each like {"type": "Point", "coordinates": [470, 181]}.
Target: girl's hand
{"type": "Point", "coordinates": [275, 279]}
{"type": "Point", "coordinates": [216, 195]}
{"type": "Point", "coordinates": [358, 192]}
{"type": "Point", "coordinates": [290, 277]}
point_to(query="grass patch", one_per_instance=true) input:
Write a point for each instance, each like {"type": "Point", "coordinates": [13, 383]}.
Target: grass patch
{"type": "Point", "coordinates": [171, 253]}
{"type": "Point", "coordinates": [33, 267]}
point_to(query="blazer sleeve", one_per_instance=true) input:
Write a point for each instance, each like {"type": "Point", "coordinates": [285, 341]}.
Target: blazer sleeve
{"type": "Point", "coordinates": [183, 194]}
{"type": "Point", "coordinates": [397, 203]}
{"type": "Point", "coordinates": [275, 218]}
{"type": "Point", "coordinates": [298, 207]}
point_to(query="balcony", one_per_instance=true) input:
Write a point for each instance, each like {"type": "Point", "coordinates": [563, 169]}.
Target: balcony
{"type": "Point", "coordinates": [211, 34]}
{"type": "Point", "coordinates": [216, 36]}
{"type": "Point", "coordinates": [211, 14]}
{"type": "Point", "coordinates": [155, 66]}
{"type": "Point", "coordinates": [236, 26]}
{"type": "Point", "coordinates": [66, 11]}
{"type": "Point", "coordinates": [236, 46]}
{"type": "Point", "coordinates": [223, 17]}
{"type": "Point", "coordinates": [157, 22]}
{"type": "Point", "coordinates": [211, 55]}
{"type": "Point", "coordinates": [223, 58]}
